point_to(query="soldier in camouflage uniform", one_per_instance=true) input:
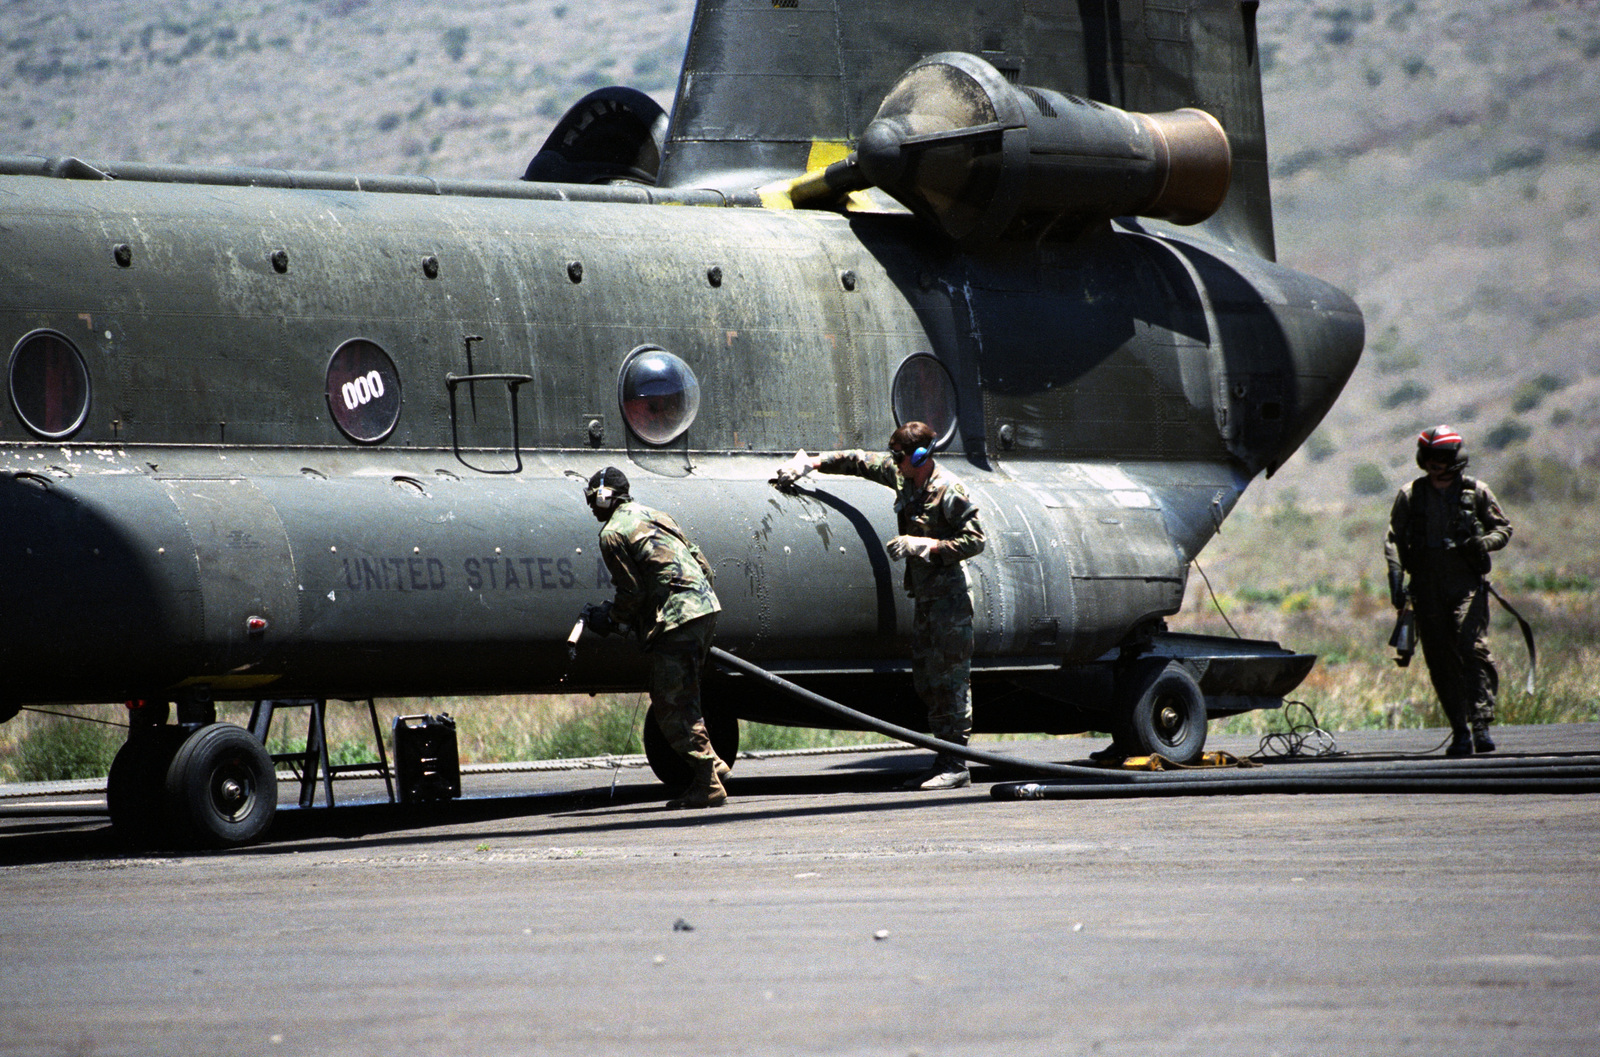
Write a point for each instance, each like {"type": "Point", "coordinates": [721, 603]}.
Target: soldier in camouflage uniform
{"type": "Point", "coordinates": [1441, 530]}
{"type": "Point", "coordinates": [664, 595]}
{"type": "Point", "coordinates": [939, 530]}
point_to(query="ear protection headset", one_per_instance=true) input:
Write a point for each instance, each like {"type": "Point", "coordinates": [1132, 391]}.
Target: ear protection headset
{"type": "Point", "coordinates": [920, 456]}
{"type": "Point", "coordinates": [602, 498]}
{"type": "Point", "coordinates": [606, 489]}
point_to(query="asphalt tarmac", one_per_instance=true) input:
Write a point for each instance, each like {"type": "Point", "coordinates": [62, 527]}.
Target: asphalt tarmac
{"type": "Point", "coordinates": [822, 912]}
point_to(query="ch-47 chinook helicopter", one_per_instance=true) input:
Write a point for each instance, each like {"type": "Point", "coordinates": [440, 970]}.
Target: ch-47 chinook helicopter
{"type": "Point", "coordinates": [279, 434]}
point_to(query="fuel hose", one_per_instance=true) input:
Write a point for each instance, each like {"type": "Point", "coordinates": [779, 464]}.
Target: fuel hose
{"type": "Point", "coordinates": [1527, 777]}
{"type": "Point", "coordinates": [1575, 773]}
{"type": "Point", "coordinates": [926, 741]}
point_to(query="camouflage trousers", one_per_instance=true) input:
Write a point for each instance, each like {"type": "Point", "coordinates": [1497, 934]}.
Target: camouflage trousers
{"type": "Point", "coordinates": [677, 658]}
{"type": "Point", "coordinates": [941, 662]}
{"type": "Point", "coordinates": [1452, 631]}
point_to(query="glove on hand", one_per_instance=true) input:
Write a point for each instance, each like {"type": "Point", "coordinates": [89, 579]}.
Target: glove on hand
{"type": "Point", "coordinates": [597, 618]}
{"type": "Point", "coordinates": [1397, 588]}
{"type": "Point", "coordinates": [791, 472]}
{"type": "Point", "coordinates": [915, 546]}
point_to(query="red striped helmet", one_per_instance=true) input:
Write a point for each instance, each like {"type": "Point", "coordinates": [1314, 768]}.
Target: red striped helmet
{"type": "Point", "coordinates": [1440, 440]}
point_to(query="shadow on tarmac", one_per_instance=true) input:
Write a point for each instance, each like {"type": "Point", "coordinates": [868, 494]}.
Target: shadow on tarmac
{"type": "Point", "coordinates": [597, 809]}
{"type": "Point", "coordinates": [856, 786]}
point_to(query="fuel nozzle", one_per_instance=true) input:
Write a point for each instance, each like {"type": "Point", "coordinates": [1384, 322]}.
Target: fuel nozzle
{"type": "Point", "coordinates": [575, 634]}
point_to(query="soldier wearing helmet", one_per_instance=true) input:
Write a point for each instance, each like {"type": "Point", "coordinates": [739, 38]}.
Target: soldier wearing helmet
{"type": "Point", "coordinates": [665, 597]}
{"type": "Point", "coordinates": [1442, 529]}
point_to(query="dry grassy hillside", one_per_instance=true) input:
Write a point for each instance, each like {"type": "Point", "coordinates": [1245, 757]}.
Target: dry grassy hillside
{"type": "Point", "coordinates": [1437, 159]}
{"type": "Point", "coordinates": [444, 88]}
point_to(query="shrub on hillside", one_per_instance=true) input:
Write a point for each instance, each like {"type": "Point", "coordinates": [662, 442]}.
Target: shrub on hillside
{"type": "Point", "coordinates": [1407, 392]}
{"type": "Point", "coordinates": [1507, 433]}
{"type": "Point", "coordinates": [1530, 393]}
{"type": "Point", "coordinates": [1517, 158]}
{"type": "Point", "coordinates": [1526, 478]}
{"type": "Point", "coordinates": [1368, 479]}
{"type": "Point", "coordinates": [1319, 446]}
{"type": "Point", "coordinates": [455, 42]}
{"type": "Point", "coordinates": [1389, 355]}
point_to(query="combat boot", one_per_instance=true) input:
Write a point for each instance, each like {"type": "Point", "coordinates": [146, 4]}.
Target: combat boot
{"type": "Point", "coordinates": [949, 772]}
{"type": "Point", "coordinates": [705, 788]}
{"type": "Point", "coordinates": [1481, 742]}
{"type": "Point", "coordinates": [1460, 744]}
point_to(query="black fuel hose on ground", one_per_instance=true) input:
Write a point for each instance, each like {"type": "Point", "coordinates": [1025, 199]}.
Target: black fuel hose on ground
{"type": "Point", "coordinates": [1554, 774]}
{"type": "Point", "coordinates": [1234, 783]}
{"type": "Point", "coordinates": [1504, 774]}
{"type": "Point", "coordinates": [926, 741]}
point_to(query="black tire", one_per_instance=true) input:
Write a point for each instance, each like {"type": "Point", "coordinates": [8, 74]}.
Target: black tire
{"type": "Point", "coordinates": [1163, 712]}
{"type": "Point", "coordinates": [721, 726]}
{"type": "Point", "coordinates": [221, 788]}
{"type": "Point", "coordinates": [136, 785]}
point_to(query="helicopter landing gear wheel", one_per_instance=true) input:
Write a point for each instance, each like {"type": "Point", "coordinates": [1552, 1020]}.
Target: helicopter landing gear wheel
{"type": "Point", "coordinates": [721, 727]}
{"type": "Point", "coordinates": [1164, 712]}
{"type": "Point", "coordinates": [221, 788]}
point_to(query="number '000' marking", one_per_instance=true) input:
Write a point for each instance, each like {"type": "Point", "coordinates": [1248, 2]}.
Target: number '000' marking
{"type": "Point", "coordinates": [363, 390]}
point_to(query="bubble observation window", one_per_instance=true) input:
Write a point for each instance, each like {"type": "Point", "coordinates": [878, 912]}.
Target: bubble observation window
{"type": "Point", "coordinates": [363, 391]}
{"type": "Point", "coordinates": [660, 395]}
{"type": "Point", "coordinates": [923, 392]}
{"type": "Point", "coordinates": [49, 385]}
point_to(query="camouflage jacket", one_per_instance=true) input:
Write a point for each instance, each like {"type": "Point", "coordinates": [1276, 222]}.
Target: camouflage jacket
{"type": "Point", "coordinates": [662, 579]}
{"type": "Point", "coordinates": [1445, 536]}
{"type": "Point", "coordinates": [941, 509]}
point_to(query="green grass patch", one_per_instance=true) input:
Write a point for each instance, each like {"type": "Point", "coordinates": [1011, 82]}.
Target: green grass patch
{"type": "Point", "coordinates": [764, 737]}
{"type": "Point", "coordinates": [611, 728]}
{"type": "Point", "coordinates": [57, 749]}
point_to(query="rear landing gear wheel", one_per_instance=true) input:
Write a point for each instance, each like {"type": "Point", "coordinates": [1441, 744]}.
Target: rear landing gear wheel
{"type": "Point", "coordinates": [1164, 712]}
{"type": "Point", "coordinates": [721, 727]}
{"type": "Point", "coordinates": [221, 788]}
{"type": "Point", "coordinates": [136, 786]}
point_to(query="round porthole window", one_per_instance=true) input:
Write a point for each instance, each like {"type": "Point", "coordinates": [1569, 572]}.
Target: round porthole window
{"type": "Point", "coordinates": [49, 385]}
{"type": "Point", "coordinates": [923, 392]}
{"type": "Point", "coordinates": [660, 395]}
{"type": "Point", "coordinates": [363, 391]}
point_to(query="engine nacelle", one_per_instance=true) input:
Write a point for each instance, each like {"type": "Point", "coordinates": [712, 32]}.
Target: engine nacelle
{"type": "Point", "coordinates": [977, 156]}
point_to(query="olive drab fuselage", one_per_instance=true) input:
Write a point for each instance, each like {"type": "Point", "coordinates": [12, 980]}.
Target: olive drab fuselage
{"type": "Point", "coordinates": [307, 434]}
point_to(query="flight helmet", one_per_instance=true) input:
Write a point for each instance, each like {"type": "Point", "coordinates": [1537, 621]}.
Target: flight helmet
{"type": "Point", "coordinates": [1440, 440]}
